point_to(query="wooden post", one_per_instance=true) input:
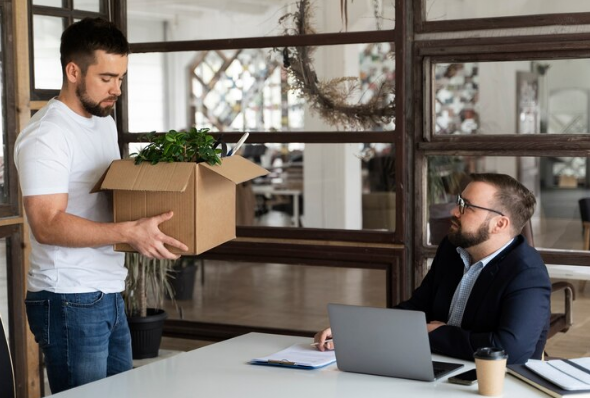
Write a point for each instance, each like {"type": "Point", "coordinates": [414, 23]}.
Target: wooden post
{"type": "Point", "coordinates": [32, 387]}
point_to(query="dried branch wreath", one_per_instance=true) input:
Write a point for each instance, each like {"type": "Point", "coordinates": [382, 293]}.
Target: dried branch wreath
{"type": "Point", "coordinates": [330, 99]}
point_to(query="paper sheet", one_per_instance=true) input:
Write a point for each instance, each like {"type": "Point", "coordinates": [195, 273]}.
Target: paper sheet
{"type": "Point", "coordinates": [299, 355]}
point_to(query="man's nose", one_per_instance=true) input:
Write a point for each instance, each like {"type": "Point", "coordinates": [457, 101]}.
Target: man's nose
{"type": "Point", "coordinates": [115, 89]}
{"type": "Point", "coordinates": [456, 212]}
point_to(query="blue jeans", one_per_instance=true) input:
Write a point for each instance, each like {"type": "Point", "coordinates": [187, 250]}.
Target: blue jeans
{"type": "Point", "coordinates": [84, 336]}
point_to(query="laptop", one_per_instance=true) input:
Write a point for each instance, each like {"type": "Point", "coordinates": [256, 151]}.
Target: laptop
{"type": "Point", "coordinates": [384, 342]}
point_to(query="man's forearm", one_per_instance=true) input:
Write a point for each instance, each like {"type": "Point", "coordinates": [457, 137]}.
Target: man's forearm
{"type": "Point", "coordinates": [72, 231]}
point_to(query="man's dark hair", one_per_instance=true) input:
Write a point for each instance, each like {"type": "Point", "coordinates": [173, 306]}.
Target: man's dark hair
{"type": "Point", "coordinates": [80, 40]}
{"type": "Point", "coordinates": [512, 198]}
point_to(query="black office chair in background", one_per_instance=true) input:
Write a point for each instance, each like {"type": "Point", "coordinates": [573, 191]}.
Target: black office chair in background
{"type": "Point", "coordinates": [559, 321]}
{"type": "Point", "coordinates": [585, 216]}
{"type": "Point", "coordinates": [6, 370]}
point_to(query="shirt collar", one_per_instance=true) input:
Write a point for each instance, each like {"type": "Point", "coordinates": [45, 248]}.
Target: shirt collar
{"type": "Point", "coordinates": [484, 261]}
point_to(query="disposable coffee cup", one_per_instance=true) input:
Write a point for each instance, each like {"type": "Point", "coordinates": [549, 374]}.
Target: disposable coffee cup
{"type": "Point", "coordinates": [490, 366]}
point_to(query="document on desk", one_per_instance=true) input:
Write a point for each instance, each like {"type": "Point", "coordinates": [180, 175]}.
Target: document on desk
{"type": "Point", "coordinates": [301, 356]}
{"type": "Point", "coordinates": [569, 374]}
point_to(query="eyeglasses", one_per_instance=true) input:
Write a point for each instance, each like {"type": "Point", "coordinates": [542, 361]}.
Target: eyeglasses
{"type": "Point", "coordinates": [463, 205]}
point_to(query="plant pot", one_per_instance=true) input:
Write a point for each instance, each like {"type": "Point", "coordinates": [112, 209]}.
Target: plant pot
{"type": "Point", "coordinates": [183, 282]}
{"type": "Point", "coordinates": [146, 333]}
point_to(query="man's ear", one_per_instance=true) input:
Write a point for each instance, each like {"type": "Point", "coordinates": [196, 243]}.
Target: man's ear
{"type": "Point", "coordinates": [501, 224]}
{"type": "Point", "coordinates": [73, 72]}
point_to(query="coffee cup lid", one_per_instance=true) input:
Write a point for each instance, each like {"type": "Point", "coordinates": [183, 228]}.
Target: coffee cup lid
{"type": "Point", "coordinates": [490, 353]}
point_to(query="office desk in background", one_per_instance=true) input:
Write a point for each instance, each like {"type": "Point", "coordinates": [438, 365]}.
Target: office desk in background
{"type": "Point", "coordinates": [269, 190]}
{"type": "Point", "coordinates": [221, 370]}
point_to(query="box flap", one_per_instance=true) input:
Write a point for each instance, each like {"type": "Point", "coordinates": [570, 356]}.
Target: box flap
{"type": "Point", "coordinates": [161, 177]}
{"type": "Point", "coordinates": [237, 169]}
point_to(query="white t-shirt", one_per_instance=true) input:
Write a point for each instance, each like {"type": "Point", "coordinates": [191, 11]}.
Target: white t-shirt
{"type": "Point", "coordinates": [62, 152]}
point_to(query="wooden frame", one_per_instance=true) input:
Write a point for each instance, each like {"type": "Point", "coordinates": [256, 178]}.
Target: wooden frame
{"type": "Point", "coordinates": [507, 48]}
{"type": "Point", "coordinates": [422, 25]}
{"type": "Point", "coordinates": [356, 249]}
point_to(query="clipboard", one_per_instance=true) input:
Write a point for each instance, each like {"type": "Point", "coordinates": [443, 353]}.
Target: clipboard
{"type": "Point", "coordinates": [298, 356]}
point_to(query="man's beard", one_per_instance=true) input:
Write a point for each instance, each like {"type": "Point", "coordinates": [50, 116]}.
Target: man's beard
{"type": "Point", "coordinates": [466, 239]}
{"type": "Point", "coordinates": [94, 108]}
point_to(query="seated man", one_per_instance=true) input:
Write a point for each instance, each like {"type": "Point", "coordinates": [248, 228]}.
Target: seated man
{"type": "Point", "coordinates": [486, 286]}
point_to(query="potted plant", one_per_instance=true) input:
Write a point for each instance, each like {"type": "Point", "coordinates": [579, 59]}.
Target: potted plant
{"type": "Point", "coordinates": [194, 145]}
{"type": "Point", "coordinates": [184, 272]}
{"type": "Point", "coordinates": [147, 283]}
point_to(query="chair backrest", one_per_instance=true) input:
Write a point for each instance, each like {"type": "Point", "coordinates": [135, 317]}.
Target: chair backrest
{"type": "Point", "coordinates": [6, 370]}
{"type": "Point", "coordinates": [527, 232]}
{"type": "Point", "coordinates": [584, 209]}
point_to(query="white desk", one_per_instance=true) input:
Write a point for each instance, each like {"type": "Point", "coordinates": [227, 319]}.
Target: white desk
{"type": "Point", "coordinates": [221, 370]}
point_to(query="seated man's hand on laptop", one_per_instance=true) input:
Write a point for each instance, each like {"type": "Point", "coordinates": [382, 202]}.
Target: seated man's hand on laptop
{"type": "Point", "coordinates": [430, 326]}
{"type": "Point", "coordinates": [321, 340]}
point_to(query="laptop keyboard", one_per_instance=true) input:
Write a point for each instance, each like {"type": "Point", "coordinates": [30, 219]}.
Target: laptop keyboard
{"type": "Point", "coordinates": [442, 368]}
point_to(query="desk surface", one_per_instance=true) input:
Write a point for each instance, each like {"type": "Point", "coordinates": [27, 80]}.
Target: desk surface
{"type": "Point", "coordinates": [221, 370]}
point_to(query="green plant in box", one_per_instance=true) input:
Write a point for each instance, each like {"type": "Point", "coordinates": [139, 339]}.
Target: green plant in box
{"type": "Point", "coordinates": [194, 145]}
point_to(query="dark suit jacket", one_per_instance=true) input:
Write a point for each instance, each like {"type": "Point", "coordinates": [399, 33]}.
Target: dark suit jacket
{"type": "Point", "coordinates": [509, 306]}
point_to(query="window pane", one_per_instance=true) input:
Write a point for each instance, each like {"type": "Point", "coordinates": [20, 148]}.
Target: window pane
{"type": "Point", "coordinates": [46, 40]}
{"type": "Point", "coordinates": [50, 3]}
{"type": "Point", "coordinates": [88, 5]}
{"type": "Point", "coordinates": [442, 10]}
{"type": "Point", "coordinates": [334, 186]}
{"type": "Point", "coordinates": [214, 19]}
{"type": "Point", "coordinates": [4, 192]}
{"type": "Point", "coordinates": [519, 97]}
{"type": "Point", "coordinates": [557, 182]}
{"type": "Point", "coordinates": [283, 302]}
{"type": "Point", "coordinates": [235, 90]}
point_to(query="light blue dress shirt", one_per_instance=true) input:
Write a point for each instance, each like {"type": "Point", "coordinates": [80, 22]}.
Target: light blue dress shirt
{"type": "Point", "coordinates": [470, 274]}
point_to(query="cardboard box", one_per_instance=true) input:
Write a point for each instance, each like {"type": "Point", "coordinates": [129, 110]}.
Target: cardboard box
{"type": "Point", "coordinates": [202, 197]}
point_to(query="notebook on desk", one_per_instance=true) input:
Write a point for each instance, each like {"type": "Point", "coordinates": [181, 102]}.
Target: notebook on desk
{"type": "Point", "coordinates": [384, 342]}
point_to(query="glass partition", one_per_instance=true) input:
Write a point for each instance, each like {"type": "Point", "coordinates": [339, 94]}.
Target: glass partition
{"type": "Point", "coordinates": [46, 40]}
{"type": "Point", "coordinates": [516, 97]}
{"type": "Point", "coordinates": [559, 183]}
{"type": "Point", "coordinates": [229, 293]}
{"type": "Point", "coordinates": [49, 3]}
{"type": "Point", "coordinates": [234, 90]}
{"type": "Point", "coordinates": [443, 10]}
{"type": "Point", "coordinates": [333, 186]}
{"type": "Point", "coordinates": [89, 5]}
{"type": "Point", "coordinates": [175, 20]}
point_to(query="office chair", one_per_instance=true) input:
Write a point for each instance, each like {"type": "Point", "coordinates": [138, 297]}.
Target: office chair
{"type": "Point", "coordinates": [584, 204]}
{"type": "Point", "coordinates": [6, 370]}
{"type": "Point", "coordinates": [560, 321]}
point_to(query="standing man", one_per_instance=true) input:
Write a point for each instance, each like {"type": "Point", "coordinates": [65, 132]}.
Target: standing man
{"type": "Point", "coordinates": [74, 306]}
{"type": "Point", "coordinates": [486, 286]}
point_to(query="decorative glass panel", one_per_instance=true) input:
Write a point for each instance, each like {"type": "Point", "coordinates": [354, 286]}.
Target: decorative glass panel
{"type": "Point", "coordinates": [214, 19]}
{"type": "Point", "coordinates": [558, 184]}
{"type": "Point", "coordinates": [443, 10]}
{"type": "Point", "coordinates": [46, 40]}
{"type": "Point", "coordinates": [517, 97]}
{"type": "Point", "coordinates": [251, 89]}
